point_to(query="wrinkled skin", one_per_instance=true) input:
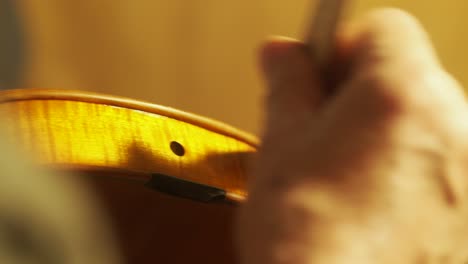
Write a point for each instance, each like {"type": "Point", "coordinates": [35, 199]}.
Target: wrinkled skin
{"type": "Point", "coordinates": [377, 172]}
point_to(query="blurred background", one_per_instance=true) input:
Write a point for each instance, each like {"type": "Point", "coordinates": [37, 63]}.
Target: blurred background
{"type": "Point", "coordinates": [197, 56]}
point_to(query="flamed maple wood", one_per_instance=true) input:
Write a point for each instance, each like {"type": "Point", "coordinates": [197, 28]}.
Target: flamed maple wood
{"type": "Point", "coordinates": [116, 144]}
{"type": "Point", "coordinates": [85, 130]}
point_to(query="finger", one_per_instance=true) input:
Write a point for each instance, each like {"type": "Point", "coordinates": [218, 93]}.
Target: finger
{"type": "Point", "coordinates": [394, 54]}
{"type": "Point", "coordinates": [392, 38]}
{"type": "Point", "coordinates": [394, 66]}
{"type": "Point", "coordinates": [293, 90]}
{"type": "Point", "coordinates": [392, 71]}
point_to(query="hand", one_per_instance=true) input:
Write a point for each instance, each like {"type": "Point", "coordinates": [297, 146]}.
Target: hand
{"type": "Point", "coordinates": [375, 173]}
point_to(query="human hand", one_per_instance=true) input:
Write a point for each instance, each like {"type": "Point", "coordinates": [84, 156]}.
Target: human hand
{"type": "Point", "coordinates": [375, 173]}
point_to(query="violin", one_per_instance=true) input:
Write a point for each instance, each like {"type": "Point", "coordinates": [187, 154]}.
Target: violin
{"type": "Point", "coordinates": [169, 181]}
{"type": "Point", "coordinates": [166, 177]}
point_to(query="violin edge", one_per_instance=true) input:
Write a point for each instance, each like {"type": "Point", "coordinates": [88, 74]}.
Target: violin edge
{"type": "Point", "coordinates": [144, 177]}
{"type": "Point", "coordinates": [26, 94]}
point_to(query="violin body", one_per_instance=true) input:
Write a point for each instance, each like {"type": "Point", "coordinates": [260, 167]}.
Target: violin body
{"type": "Point", "coordinates": [155, 169]}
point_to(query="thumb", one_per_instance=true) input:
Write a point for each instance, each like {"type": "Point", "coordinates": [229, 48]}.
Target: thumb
{"type": "Point", "coordinates": [293, 91]}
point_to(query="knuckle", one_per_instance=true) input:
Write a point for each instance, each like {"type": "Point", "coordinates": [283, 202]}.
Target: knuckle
{"type": "Point", "coordinates": [404, 90]}
{"type": "Point", "coordinates": [390, 18]}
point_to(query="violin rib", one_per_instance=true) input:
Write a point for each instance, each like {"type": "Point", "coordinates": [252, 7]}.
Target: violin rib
{"type": "Point", "coordinates": [82, 130]}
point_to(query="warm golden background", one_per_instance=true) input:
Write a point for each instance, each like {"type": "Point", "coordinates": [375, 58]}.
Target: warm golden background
{"type": "Point", "coordinates": [194, 55]}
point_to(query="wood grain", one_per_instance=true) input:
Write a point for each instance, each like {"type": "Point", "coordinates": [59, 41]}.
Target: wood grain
{"type": "Point", "coordinates": [115, 144]}
{"type": "Point", "coordinates": [79, 130]}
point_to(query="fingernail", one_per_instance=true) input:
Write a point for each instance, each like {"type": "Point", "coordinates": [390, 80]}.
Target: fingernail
{"type": "Point", "coordinates": [275, 57]}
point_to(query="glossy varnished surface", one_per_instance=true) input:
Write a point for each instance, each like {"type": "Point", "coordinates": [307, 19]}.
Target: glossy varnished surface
{"type": "Point", "coordinates": [83, 130]}
{"type": "Point", "coordinates": [115, 144]}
